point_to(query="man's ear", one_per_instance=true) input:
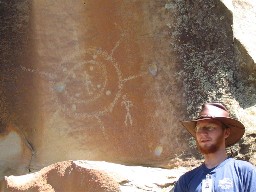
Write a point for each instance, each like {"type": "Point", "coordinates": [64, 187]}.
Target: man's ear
{"type": "Point", "coordinates": [226, 133]}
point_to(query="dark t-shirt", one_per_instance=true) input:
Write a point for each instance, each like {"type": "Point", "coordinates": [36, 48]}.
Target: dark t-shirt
{"type": "Point", "coordinates": [229, 176]}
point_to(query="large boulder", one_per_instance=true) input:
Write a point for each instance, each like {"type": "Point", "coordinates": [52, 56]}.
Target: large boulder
{"type": "Point", "coordinates": [96, 81]}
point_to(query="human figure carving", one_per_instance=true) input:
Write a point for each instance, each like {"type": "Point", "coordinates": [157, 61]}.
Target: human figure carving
{"type": "Point", "coordinates": [127, 104]}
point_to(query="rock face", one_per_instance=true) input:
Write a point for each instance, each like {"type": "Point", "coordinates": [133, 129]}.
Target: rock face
{"type": "Point", "coordinates": [93, 82]}
{"type": "Point", "coordinates": [89, 176]}
{"type": "Point", "coordinates": [110, 80]}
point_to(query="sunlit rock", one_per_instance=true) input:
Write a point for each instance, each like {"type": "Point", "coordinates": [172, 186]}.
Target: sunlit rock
{"type": "Point", "coordinates": [94, 176]}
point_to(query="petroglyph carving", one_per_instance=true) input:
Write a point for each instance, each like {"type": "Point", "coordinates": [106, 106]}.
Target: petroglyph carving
{"type": "Point", "coordinates": [88, 84]}
{"type": "Point", "coordinates": [49, 76]}
{"type": "Point", "coordinates": [127, 104]}
{"type": "Point", "coordinates": [93, 85]}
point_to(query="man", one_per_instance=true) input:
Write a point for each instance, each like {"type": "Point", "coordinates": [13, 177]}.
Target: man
{"type": "Point", "coordinates": [214, 130]}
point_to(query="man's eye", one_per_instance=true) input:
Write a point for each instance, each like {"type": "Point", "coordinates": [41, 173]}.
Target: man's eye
{"type": "Point", "coordinates": [208, 129]}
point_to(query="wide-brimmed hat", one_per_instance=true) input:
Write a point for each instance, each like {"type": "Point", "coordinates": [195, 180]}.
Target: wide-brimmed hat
{"type": "Point", "coordinates": [219, 112]}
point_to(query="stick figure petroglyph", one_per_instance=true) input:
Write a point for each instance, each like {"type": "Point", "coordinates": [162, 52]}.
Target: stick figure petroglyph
{"type": "Point", "coordinates": [127, 104]}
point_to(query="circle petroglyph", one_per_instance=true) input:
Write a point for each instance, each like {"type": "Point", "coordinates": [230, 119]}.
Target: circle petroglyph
{"type": "Point", "coordinates": [89, 84]}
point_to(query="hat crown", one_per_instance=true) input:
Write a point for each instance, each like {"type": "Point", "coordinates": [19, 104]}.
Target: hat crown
{"type": "Point", "coordinates": [213, 110]}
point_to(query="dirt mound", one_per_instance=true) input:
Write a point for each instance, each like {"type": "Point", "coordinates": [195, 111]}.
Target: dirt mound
{"type": "Point", "coordinates": [63, 176]}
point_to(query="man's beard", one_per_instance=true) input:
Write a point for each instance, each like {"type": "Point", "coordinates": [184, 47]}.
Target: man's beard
{"type": "Point", "coordinates": [212, 148]}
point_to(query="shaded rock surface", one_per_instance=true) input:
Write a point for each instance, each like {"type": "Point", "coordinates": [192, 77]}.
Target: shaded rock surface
{"type": "Point", "coordinates": [91, 176]}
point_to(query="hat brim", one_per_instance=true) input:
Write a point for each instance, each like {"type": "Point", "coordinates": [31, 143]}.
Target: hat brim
{"type": "Point", "coordinates": [237, 129]}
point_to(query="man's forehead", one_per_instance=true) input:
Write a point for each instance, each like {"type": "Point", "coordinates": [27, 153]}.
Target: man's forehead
{"type": "Point", "coordinates": [208, 122]}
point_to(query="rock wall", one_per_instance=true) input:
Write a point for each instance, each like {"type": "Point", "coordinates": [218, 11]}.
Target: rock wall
{"type": "Point", "coordinates": [212, 39]}
{"type": "Point", "coordinates": [205, 45]}
{"type": "Point", "coordinates": [92, 80]}
{"type": "Point", "coordinates": [110, 80]}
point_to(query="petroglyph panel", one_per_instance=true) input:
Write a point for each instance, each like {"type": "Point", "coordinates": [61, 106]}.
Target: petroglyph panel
{"type": "Point", "coordinates": [99, 83]}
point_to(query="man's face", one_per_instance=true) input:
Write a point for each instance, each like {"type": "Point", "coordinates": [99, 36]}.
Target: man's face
{"type": "Point", "coordinates": [210, 136]}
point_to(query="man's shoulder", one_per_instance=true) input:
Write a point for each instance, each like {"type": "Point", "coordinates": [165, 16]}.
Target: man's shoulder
{"type": "Point", "coordinates": [242, 164]}
{"type": "Point", "coordinates": [187, 177]}
{"type": "Point", "coordinates": [194, 171]}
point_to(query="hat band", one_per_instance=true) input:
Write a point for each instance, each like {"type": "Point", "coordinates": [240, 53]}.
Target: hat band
{"type": "Point", "coordinates": [205, 116]}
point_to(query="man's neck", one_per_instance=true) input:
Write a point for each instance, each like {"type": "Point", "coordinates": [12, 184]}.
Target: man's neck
{"type": "Point", "coordinates": [214, 159]}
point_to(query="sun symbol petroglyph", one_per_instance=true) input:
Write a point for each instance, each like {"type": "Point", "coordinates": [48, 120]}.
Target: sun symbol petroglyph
{"type": "Point", "coordinates": [91, 86]}
{"type": "Point", "coordinates": [82, 83]}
